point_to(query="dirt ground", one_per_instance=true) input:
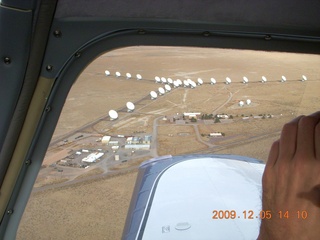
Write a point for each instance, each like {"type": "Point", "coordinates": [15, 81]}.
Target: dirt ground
{"type": "Point", "coordinates": [98, 207]}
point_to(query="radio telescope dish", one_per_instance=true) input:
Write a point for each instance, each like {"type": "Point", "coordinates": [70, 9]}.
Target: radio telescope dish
{"type": "Point", "coordinates": [153, 95]}
{"type": "Point", "coordinates": [161, 91]}
{"type": "Point", "coordinates": [169, 80]}
{"type": "Point", "coordinates": [130, 106]}
{"type": "Point", "coordinates": [163, 80]}
{"type": "Point", "coordinates": [118, 74]}
{"type": "Point", "coordinates": [176, 84]}
{"type": "Point", "coordinates": [113, 114]}
{"type": "Point", "coordinates": [189, 80]}
{"type": "Point", "coordinates": [139, 77]}
{"type": "Point", "coordinates": [107, 73]}
{"type": "Point", "coordinates": [186, 83]}
{"type": "Point", "coordinates": [245, 80]}
{"type": "Point", "coordinates": [248, 102]}
{"type": "Point", "coordinates": [304, 78]}
{"type": "Point", "coordinates": [157, 79]}
{"type": "Point", "coordinates": [283, 79]}
{"type": "Point", "coordinates": [241, 103]}
{"type": "Point", "coordinates": [213, 81]}
{"type": "Point", "coordinates": [200, 81]}
{"type": "Point", "coordinates": [128, 75]}
{"type": "Point", "coordinates": [167, 87]}
{"type": "Point", "coordinates": [228, 80]}
{"type": "Point", "coordinates": [193, 84]}
{"type": "Point", "coordinates": [264, 79]}
{"type": "Point", "coordinates": [179, 82]}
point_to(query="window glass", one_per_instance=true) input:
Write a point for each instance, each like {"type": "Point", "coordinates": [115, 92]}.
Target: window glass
{"type": "Point", "coordinates": [226, 102]}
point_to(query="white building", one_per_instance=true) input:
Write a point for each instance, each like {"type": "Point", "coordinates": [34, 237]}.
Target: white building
{"type": "Point", "coordinates": [113, 143]}
{"type": "Point", "coordinates": [216, 134]}
{"type": "Point", "coordinates": [224, 116]}
{"type": "Point", "coordinates": [192, 115]}
{"type": "Point", "coordinates": [129, 140]}
{"type": "Point", "coordinates": [106, 139]}
{"type": "Point", "coordinates": [115, 148]}
{"type": "Point", "coordinates": [138, 146]}
{"type": "Point", "coordinates": [93, 157]}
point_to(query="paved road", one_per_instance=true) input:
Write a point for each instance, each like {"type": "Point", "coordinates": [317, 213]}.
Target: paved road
{"type": "Point", "coordinates": [196, 129]}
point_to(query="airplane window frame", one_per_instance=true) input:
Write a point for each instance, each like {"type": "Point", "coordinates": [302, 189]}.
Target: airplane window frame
{"type": "Point", "coordinates": [91, 48]}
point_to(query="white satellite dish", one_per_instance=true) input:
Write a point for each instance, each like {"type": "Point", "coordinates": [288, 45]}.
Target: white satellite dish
{"type": "Point", "coordinates": [228, 80]}
{"type": "Point", "coordinates": [157, 79]}
{"type": "Point", "coordinates": [241, 103]}
{"type": "Point", "coordinates": [213, 81]}
{"type": "Point", "coordinates": [179, 82]}
{"type": "Point", "coordinates": [248, 102]}
{"type": "Point", "coordinates": [153, 95]}
{"type": "Point", "coordinates": [118, 74]}
{"type": "Point", "coordinates": [264, 79]}
{"type": "Point", "coordinates": [189, 80]}
{"type": "Point", "coordinates": [139, 77]}
{"type": "Point", "coordinates": [186, 83]}
{"type": "Point", "coordinates": [304, 78]}
{"type": "Point", "coordinates": [167, 87]}
{"type": "Point", "coordinates": [200, 81]}
{"type": "Point", "coordinates": [161, 91]}
{"type": "Point", "coordinates": [107, 73]}
{"type": "Point", "coordinates": [163, 80]}
{"type": "Point", "coordinates": [283, 79]}
{"type": "Point", "coordinates": [193, 84]}
{"type": "Point", "coordinates": [169, 80]}
{"type": "Point", "coordinates": [130, 106]}
{"type": "Point", "coordinates": [128, 75]}
{"type": "Point", "coordinates": [176, 84]}
{"type": "Point", "coordinates": [245, 80]}
{"type": "Point", "coordinates": [113, 114]}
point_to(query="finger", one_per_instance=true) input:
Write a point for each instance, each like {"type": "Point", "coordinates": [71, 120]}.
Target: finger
{"type": "Point", "coordinates": [316, 115]}
{"type": "Point", "coordinates": [317, 135]}
{"type": "Point", "coordinates": [305, 138]}
{"type": "Point", "coordinates": [273, 154]}
{"type": "Point", "coordinates": [287, 145]}
{"type": "Point", "coordinates": [317, 141]}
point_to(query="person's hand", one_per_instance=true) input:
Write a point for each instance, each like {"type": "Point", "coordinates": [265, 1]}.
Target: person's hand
{"type": "Point", "coordinates": [291, 182]}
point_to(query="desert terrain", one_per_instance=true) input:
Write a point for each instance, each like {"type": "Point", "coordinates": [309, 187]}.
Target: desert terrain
{"type": "Point", "coordinates": [82, 203]}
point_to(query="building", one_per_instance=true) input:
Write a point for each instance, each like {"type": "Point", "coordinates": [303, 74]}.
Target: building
{"type": "Point", "coordinates": [113, 143]}
{"type": "Point", "coordinates": [129, 140]}
{"type": "Point", "coordinates": [136, 140]}
{"type": "Point", "coordinates": [137, 146]}
{"type": "Point", "coordinates": [93, 157]}
{"type": "Point", "coordinates": [192, 115]}
{"type": "Point", "coordinates": [216, 134]}
{"type": "Point", "coordinates": [106, 139]}
{"type": "Point", "coordinates": [115, 148]}
{"type": "Point", "coordinates": [147, 139]}
{"type": "Point", "coordinates": [142, 143]}
{"type": "Point", "coordinates": [224, 116]}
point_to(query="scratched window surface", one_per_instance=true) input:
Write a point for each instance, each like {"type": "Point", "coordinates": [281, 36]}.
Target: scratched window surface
{"type": "Point", "coordinates": [137, 103]}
